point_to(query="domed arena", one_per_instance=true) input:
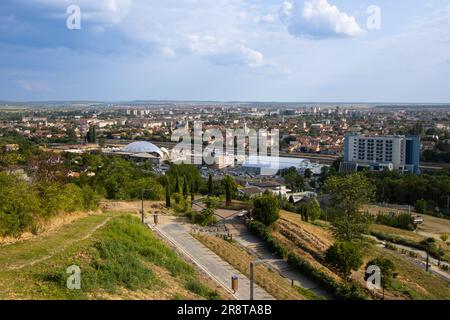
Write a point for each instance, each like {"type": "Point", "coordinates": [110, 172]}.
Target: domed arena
{"type": "Point", "coordinates": [142, 147]}
{"type": "Point", "coordinates": [143, 150]}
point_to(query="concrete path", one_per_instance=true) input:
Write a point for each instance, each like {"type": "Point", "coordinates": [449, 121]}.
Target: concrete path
{"type": "Point", "coordinates": [178, 233]}
{"type": "Point", "coordinates": [259, 248]}
{"type": "Point", "coordinates": [420, 262]}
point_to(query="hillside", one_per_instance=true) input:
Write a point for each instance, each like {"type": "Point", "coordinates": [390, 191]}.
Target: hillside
{"type": "Point", "coordinates": [311, 240]}
{"type": "Point", "coordinates": [119, 259]}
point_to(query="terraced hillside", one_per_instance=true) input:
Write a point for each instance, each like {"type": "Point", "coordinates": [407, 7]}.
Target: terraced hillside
{"type": "Point", "coordinates": [310, 241]}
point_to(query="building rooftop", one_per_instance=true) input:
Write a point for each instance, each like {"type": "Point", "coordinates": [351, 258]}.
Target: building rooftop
{"type": "Point", "coordinates": [141, 147]}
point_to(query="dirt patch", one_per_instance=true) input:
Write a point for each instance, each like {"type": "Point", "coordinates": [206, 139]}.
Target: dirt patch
{"type": "Point", "coordinates": [150, 207]}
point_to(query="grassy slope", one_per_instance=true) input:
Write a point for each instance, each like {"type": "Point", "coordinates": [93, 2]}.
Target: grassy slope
{"type": "Point", "coordinates": [120, 260]}
{"type": "Point", "coordinates": [408, 235]}
{"type": "Point", "coordinates": [411, 283]}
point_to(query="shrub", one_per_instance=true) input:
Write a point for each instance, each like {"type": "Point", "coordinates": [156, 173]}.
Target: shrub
{"type": "Point", "coordinates": [198, 288]}
{"type": "Point", "coordinates": [345, 257]}
{"type": "Point", "coordinates": [421, 206]}
{"type": "Point", "coordinates": [387, 269]}
{"type": "Point", "coordinates": [266, 208]}
{"type": "Point", "coordinates": [402, 221]}
{"type": "Point", "coordinates": [398, 240]}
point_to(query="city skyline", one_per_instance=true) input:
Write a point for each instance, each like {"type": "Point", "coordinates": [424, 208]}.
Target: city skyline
{"type": "Point", "coordinates": [262, 51]}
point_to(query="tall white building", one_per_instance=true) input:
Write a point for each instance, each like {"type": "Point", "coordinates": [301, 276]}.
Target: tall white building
{"type": "Point", "coordinates": [378, 153]}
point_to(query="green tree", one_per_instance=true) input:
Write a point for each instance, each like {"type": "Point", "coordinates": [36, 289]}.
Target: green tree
{"type": "Point", "coordinates": [430, 246]}
{"type": "Point", "coordinates": [444, 237]}
{"type": "Point", "coordinates": [266, 208]}
{"type": "Point", "coordinates": [189, 171]}
{"type": "Point", "coordinates": [336, 166]}
{"type": "Point", "coordinates": [313, 209]}
{"type": "Point", "coordinates": [348, 194]}
{"type": "Point", "coordinates": [387, 269]}
{"type": "Point", "coordinates": [293, 179]}
{"type": "Point", "coordinates": [302, 210]}
{"type": "Point", "coordinates": [167, 194]}
{"type": "Point", "coordinates": [192, 193]}
{"type": "Point", "coordinates": [210, 186]}
{"type": "Point", "coordinates": [207, 217]}
{"type": "Point", "coordinates": [177, 185]}
{"type": "Point", "coordinates": [92, 135]}
{"type": "Point", "coordinates": [124, 180]}
{"type": "Point", "coordinates": [421, 206]}
{"type": "Point", "coordinates": [185, 188]}
{"type": "Point", "coordinates": [308, 173]}
{"type": "Point", "coordinates": [344, 256]}
{"type": "Point", "coordinates": [19, 203]}
{"type": "Point", "coordinates": [91, 199]}
{"type": "Point", "coordinates": [230, 187]}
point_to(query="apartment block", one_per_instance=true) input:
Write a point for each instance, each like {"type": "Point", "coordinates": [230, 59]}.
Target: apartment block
{"type": "Point", "coordinates": [378, 153]}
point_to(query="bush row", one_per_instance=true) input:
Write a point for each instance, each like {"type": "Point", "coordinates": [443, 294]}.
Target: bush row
{"type": "Point", "coordinates": [405, 242]}
{"type": "Point", "coordinates": [342, 291]}
{"type": "Point", "coordinates": [24, 204]}
{"type": "Point", "coordinates": [402, 221]}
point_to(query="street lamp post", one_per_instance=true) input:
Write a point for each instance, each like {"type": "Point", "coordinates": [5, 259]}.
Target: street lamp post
{"type": "Point", "coordinates": [252, 272]}
{"type": "Point", "coordinates": [142, 203]}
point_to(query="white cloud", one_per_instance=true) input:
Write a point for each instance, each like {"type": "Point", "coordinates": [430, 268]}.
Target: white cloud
{"type": "Point", "coordinates": [223, 32]}
{"type": "Point", "coordinates": [223, 51]}
{"type": "Point", "coordinates": [168, 52]}
{"type": "Point", "coordinates": [318, 19]}
{"type": "Point", "coordinates": [266, 19]}
{"type": "Point", "coordinates": [32, 85]}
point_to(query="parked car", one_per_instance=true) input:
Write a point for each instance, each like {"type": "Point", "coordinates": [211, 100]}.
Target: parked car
{"type": "Point", "coordinates": [418, 220]}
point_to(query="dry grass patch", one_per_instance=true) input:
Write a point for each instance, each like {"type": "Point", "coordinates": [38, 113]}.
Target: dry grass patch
{"type": "Point", "coordinates": [411, 283]}
{"type": "Point", "coordinates": [321, 233]}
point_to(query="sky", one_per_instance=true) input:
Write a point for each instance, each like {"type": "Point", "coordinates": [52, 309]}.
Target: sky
{"type": "Point", "coordinates": [226, 50]}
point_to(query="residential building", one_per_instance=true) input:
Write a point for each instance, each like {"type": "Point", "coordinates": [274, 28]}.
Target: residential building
{"type": "Point", "coordinates": [379, 153]}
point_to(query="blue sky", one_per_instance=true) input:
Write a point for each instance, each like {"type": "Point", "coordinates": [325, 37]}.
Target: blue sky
{"type": "Point", "coordinates": [247, 50]}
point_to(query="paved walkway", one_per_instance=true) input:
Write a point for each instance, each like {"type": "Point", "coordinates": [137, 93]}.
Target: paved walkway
{"type": "Point", "coordinates": [420, 262]}
{"type": "Point", "coordinates": [178, 234]}
{"type": "Point", "coordinates": [256, 246]}
{"type": "Point", "coordinates": [259, 248]}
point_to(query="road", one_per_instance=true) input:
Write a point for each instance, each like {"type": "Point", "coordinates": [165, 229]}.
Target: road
{"type": "Point", "coordinates": [178, 234]}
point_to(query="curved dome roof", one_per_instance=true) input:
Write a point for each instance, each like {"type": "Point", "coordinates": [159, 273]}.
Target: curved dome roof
{"type": "Point", "coordinates": [142, 147]}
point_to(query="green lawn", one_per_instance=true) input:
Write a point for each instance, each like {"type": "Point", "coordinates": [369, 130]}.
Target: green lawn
{"type": "Point", "coordinates": [26, 252]}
